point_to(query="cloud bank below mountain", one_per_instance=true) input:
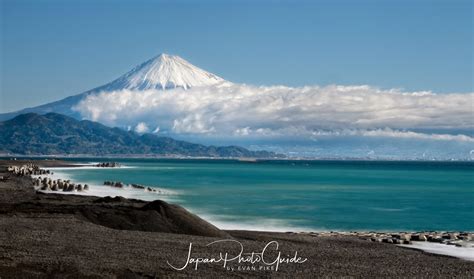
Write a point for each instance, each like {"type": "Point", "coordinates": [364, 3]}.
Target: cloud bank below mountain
{"type": "Point", "coordinates": [279, 111]}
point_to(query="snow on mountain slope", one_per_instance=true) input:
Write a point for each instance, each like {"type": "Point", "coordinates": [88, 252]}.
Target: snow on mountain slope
{"type": "Point", "coordinates": [162, 72]}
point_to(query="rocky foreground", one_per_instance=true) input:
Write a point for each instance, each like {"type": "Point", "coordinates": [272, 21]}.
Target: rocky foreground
{"type": "Point", "coordinates": [54, 235]}
{"type": "Point", "coordinates": [458, 239]}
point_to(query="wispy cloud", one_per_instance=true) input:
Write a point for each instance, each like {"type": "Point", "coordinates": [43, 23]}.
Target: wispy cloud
{"type": "Point", "coordinates": [390, 133]}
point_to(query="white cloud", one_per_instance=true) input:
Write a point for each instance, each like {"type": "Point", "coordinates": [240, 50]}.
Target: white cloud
{"type": "Point", "coordinates": [244, 111]}
{"type": "Point", "coordinates": [141, 128]}
{"type": "Point", "coordinates": [390, 133]}
{"type": "Point", "coordinates": [413, 135]}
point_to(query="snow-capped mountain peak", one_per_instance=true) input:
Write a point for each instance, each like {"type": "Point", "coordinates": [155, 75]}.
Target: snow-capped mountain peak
{"type": "Point", "coordinates": [161, 72]}
{"type": "Point", "coordinates": [164, 72]}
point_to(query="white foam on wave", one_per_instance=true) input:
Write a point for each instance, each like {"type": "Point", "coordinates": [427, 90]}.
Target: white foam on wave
{"type": "Point", "coordinates": [465, 253]}
{"type": "Point", "coordinates": [104, 191]}
{"type": "Point", "coordinates": [226, 222]}
{"type": "Point", "coordinates": [221, 221]}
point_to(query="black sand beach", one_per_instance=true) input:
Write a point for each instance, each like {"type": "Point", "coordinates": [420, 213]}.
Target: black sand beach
{"type": "Point", "coordinates": [72, 236]}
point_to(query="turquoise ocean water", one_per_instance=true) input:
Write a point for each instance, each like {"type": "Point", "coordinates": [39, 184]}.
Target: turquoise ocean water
{"type": "Point", "coordinates": [306, 195]}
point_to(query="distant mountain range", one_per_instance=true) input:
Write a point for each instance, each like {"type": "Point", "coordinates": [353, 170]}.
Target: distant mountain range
{"type": "Point", "coordinates": [56, 134]}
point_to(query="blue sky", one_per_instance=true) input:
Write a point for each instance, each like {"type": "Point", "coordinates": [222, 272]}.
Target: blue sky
{"type": "Point", "coordinates": [54, 49]}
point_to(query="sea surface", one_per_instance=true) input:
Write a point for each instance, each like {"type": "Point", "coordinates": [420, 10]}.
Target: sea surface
{"type": "Point", "coordinates": [301, 195]}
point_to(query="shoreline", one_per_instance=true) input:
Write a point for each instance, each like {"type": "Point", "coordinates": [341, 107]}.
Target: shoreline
{"type": "Point", "coordinates": [326, 251]}
{"type": "Point", "coordinates": [131, 193]}
{"type": "Point", "coordinates": [128, 192]}
{"type": "Point", "coordinates": [241, 159]}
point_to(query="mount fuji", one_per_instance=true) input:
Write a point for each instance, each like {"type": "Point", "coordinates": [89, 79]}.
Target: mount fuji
{"type": "Point", "coordinates": [163, 72]}
{"type": "Point", "coordinates": [168, 96]}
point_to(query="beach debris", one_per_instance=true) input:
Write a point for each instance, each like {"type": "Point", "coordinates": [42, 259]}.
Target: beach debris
{"type": "Point", "coordinates": [71, 187]}
{"type": "Point", "coordinates": [108, 165]}
{"type": "Point", "coordinates": [27, 170]}
{"type": "Point", "coordinates": [48, 184]}
{"type": "Point", "coordinates": [45, 183]}
{"type": "Point", "coordinates": [138, 186]}
{"type": "Point", "coordinates": [419, 237]}
{"type": "Point", "coordinates": [459, 239]}
{"type": "Point", "coordinates": [4, 178]}
{"type": "Point", "coordinates": [119, 184]}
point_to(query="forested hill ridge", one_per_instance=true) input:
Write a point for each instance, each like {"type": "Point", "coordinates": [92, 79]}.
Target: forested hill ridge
{"type": "Point", "coordinates": [57, 134]}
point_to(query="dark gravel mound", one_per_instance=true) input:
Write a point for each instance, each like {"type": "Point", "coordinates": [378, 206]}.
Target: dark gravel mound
{"type": "Point", "coordinates": [116, 213]}
{"type": "Point", "coordinates": [155, 216]}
